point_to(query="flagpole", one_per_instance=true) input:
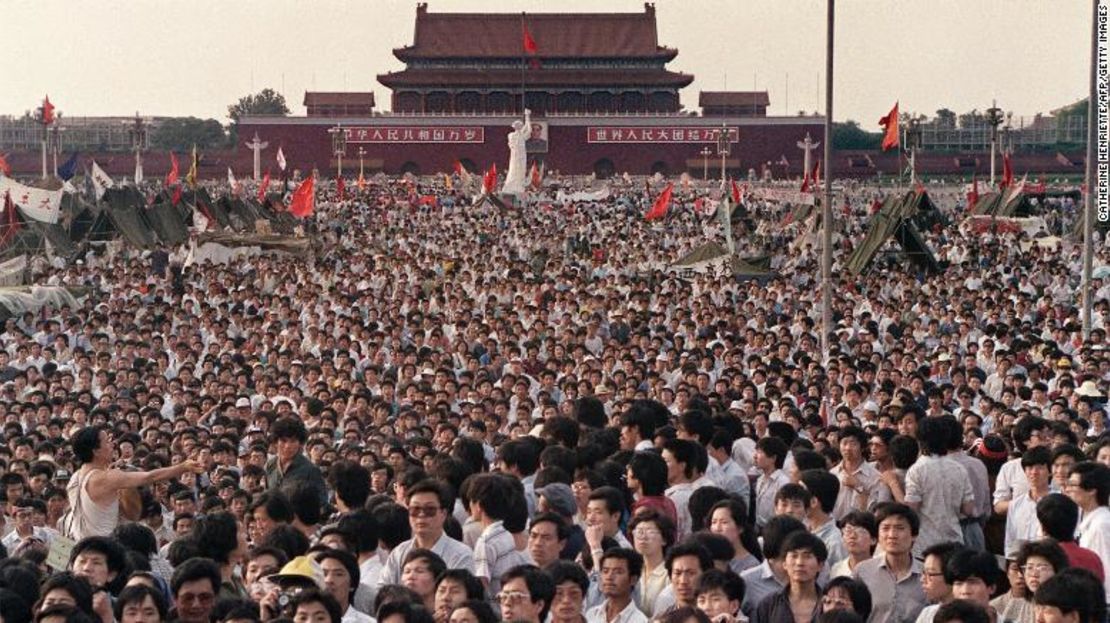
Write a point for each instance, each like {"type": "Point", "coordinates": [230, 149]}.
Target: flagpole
{"type": "Point", "coordinates": [826, 207]}
{"type": "Point", "coordinates": [522, 61]}
{"type": "Point", "coordinates": [1089, 207]}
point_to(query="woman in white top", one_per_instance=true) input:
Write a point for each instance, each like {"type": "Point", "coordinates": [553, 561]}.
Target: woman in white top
{"type": "Point", "coordinates": [652, 535]}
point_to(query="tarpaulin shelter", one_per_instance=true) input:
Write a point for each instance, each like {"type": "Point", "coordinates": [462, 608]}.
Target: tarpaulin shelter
{"type": "Point", "coordinates": [125, 207]}
{"type": "Point", "coordinates": [898, 219]}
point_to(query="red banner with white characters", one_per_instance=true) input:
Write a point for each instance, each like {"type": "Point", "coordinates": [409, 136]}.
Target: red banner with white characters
{"type": "Point", "coordinates": [621, 134]}
{"type": "Point", "coordinates": [416, 134]}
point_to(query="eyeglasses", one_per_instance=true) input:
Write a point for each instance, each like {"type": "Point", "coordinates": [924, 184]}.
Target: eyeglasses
{"type": "Point", "coordinates": [513, 597]}
{"type": "Point", "coordinates": [1037, 567]}
{"type": "Point", "coordinates": [646, 532]}
{"type": "Point", "coordinates": [423, 511]}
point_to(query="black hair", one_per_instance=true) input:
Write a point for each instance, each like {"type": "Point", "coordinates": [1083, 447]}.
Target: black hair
{"type": "Point", "coordinates": [567, 571]}
{"type": "Point", "coordinates": [138, 594]}
{"type": "Point", "coordinates": [858, 593]}
{"type": "Point", "coordinates": [738, 510]}
{"type": "Point", "coordinates": [774, 448]}
{"type": "Point", "coordinates": [665, 524]}
{"type": "Point", "coordinates": [727, 582]}
{"type": "Point", "coordinates": [904, 451]}
{"type": "Point", "coordinates": [521, 454]}
{"type": "Point", "coordinates": [1058, 515]}
{"type": "Point", "coordinates": [77, 587]}
{"type": "Point", "coordinates": [775, 532]}
{"type": "Point", "coordinates": [13, 607]}
{"type": "Point", "coordinates": [315, 595]}
{"type": "Point", "coordinates": [1074, 590]}
{"type": "Point", "coordinates": [196, 569]}
{"type": "Point", "coordinates": [799, 541]}
{"type": "Point", "coordinates": [701, 501]}
{"type": "Point", "coordinates": [410, 612]}
{"type": "Point", "coordinates": [488, 490]}
{"type": "Point", "coordinates": [1048, 549]}
{"type": "Point", "coordinates": [482, 610]}
{"type": "Point", "coordinates": [1036, 456]}
{"type": "Point", "coordinates": [288, 539]}
{"type": "Point", "coordinates": [1096, 477]}
{"type": "Point", "coordinates": [393, 524]}
{"type": "Point", "coordinates": [540, 586]}
{"type": "Point", "coordinates": [362, 525]}
{"type": "Point", "coordinates": [350, 481]}
{"type": "Point", "coordinates": [470, 583]}
{"type": "Point", "coordinates": [961, 610]}
{"type": "Point", "coordinates": [651, 470]}
{"type": "Point", "coordinates": [685, 452]}
{"type": "Point", "coordinates": [304, 497]}
{"type": "Point", "coordinates": [288, 428]}
{"type": "Point", "coordinates": [933, 433]}
{"type": "Point", "coordinates": [806, 460]}
{"type": "Point", "coordinates": [887, 510]}
{"type": "Point", "coordinates": [276, 505]}
{"type": "Point", "coordinates": [794, 492]}
{"type": "Point", "coordinates": [718, 545]}
{"type": "Point", "coordinates": [347, 560]}
{"type": "Point", "coordinates": [113, 553]}
{"type": "Point", "coordinates": [86, 441]}
{"type": "Point", "coordinates": [690, 548]}
{"type": "Point", "coordinates": [861, 519]}
{"type": "Point", "coordinates": [435, 563]}
{"type": "Point", "coordinates": [968, 563]}
{"type": "Point", "coordinates": [824, 486]}
{"type": "Point", "coordinates": [136, 537]}
{"type": "Point", "coordinates": [216, 535]}
{"type": "Point", "coordinates": [633, 560]}
{"type": "Point", "coordinates": [613, 498]}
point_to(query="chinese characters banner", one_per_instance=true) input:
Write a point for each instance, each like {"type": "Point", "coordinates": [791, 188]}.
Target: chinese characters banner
{"type": "Point", "coordinates": [416, 134]}
{"type": "Point", "coordinates": [615, 134]}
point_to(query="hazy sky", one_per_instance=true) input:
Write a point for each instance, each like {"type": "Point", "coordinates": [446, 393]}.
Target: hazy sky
{"type": "Point", "coordinates": [167, 57]}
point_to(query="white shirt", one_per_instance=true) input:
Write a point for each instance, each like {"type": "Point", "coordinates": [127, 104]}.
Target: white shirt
{"type": "Point", "coordinates": [630, 614]}
{"type": "Point", "coordinates": [354, 616]}
{"type": "Point", "coordinates": [1094, 534]}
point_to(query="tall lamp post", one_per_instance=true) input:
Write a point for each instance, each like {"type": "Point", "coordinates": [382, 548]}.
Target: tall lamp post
{"type": "Point", "coordinates": [705, 153]}
{"type": "Point", "coordinates": [723, 150]}
{"type": "Point", "coordinates": [994, 119]}
{"type": "Point", "coordinates": [913, 141]}
{"type": "Point", "coordinates": [361, 153]}
{"type": "Point", "coordinates": [138, 133]}
{"type": "Point", "coordinates": [338, 147]}
{"type": "Point", "coordinates": [56, 132]}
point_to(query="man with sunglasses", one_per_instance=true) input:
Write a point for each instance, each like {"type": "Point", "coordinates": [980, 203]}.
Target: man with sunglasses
{"type": "Point", "coordinates": [428, 504]}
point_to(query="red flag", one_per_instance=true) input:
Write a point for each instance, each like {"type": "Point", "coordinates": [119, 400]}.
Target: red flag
{"type": "Point", "coordinates": [341, 189]}
{"type": "Point", "coordinates": [5, 168]}
{"type": "Point", "coordinates": [263, 187]}
{"type": "Point", "coordinates": [529, 43]}
{"type": "Point", "coordinates": [427, 200]}
{"type": "Point", "coordinates": [535, 175]}
{"type": "Point", "coordinates": [489, 180]}
{"type": "Point", "coordinates": [973, 196]}
{"type": "Point", "coordinates": [890, 128]}
{"type": "Point", "coordinates": [1007, 172]}
{"type": "Point", "coordinates": [805, 182]}
{"type": "Point", "coordinates": [176, 196]}
{"type": "Point", "coordinates": [918, 187]}
{"type": "Point", "coordinates": [815, 178]}
{"type": "Point", "coordinates": [304, 198]}
{"type": "Point", "coordinates": [47, 111]}
{"type": "Point", "coordinates": [735, 192]}
{"type": "Point", "coordinates": [876, 205]}
{"type": "Point", "coordinates": [530, 46]}
{"type": "Point", "coordinates": [171, 177]}
{"type": "Point", "coordinates": [662, 204]}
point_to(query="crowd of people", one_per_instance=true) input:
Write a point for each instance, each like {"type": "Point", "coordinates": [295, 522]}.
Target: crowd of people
{"type": "Point", "coordinates": [456, 412]}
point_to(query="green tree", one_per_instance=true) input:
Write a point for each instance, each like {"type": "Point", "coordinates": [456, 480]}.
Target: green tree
{"type": "Point", "coordinates": [182, 133]}
{"type": "Point", "coordinates": [265, 102]}
{"type": "Point", "coordinates": [849, 135]}
{"type": "Point", "coordinates": [946, 118]}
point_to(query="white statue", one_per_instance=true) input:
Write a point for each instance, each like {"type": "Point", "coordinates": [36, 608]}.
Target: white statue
{"type": "Point", "coordinates": [515, 176]}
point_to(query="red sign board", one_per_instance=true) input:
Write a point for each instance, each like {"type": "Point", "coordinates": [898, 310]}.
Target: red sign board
{"type": "Point", "coordinates": [619, 134]}
{"type": "Point", "coordinates": [416, 134]}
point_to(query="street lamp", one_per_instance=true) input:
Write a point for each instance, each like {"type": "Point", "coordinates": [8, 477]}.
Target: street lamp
{"type": "Point", "coordinates": [994, 119]}
{"type": "Point", "coordinates": [137, 129]}
{"type": "Point", "coordinates": [913, 142]}
{"type": "Point", "coordinates": [723, 150]}
{"type": "Point", "coordinates": [338, 146]}
{"type": "Point", "coordinates": [705, 154]}
{"type": "Point", "coordinates": [56, 130]}
{"type": "Point", "coordinates": [361, 153]}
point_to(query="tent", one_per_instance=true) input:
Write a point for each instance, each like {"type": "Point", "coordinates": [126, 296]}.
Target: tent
{"type": "Point", "coordinates": [712, 256]}
{"type": "Point", "coordinates": [166, 221]}
{"type": "Point", "coordinates": [898, 218]}
{"type": "Point", "coordinates": [125, 207]}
